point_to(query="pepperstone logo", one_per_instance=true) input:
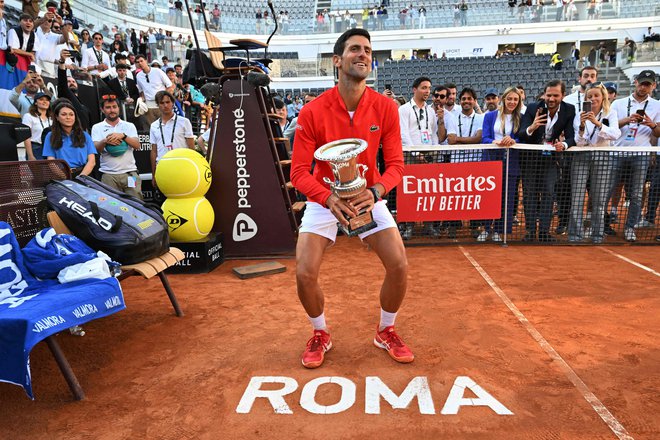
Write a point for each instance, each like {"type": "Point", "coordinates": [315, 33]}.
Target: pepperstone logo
{"type": "Point", "coordinates": [244, 227]}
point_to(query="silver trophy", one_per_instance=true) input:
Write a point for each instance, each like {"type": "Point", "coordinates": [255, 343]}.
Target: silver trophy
{"type": "Point", "coordinates": [349, 179]}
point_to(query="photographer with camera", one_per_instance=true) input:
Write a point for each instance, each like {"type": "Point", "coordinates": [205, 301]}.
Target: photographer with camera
{"type": "Point", "coordinates": [67, 87]}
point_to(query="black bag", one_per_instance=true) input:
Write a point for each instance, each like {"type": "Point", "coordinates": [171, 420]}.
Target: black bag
{"type": "Point", "coordinates": [123, 227]}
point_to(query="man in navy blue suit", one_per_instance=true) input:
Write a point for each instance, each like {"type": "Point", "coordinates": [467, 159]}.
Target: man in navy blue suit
{"type": "Point", "coordinates": [548, 122]}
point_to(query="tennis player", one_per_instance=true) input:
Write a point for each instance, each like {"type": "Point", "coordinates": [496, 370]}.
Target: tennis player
{"type": "Point", "coordinates": [349, 110]}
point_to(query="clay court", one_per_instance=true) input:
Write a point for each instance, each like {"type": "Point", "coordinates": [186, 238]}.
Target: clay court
{"type": "Point", "coordinates": [564, 337]}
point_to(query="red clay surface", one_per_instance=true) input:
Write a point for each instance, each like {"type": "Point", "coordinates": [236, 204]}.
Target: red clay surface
{"type": "Point", "coordinates": [150, 375]}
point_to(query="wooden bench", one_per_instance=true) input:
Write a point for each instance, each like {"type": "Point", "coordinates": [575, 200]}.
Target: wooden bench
{"type": "Point", "coordinates": [148, 269]}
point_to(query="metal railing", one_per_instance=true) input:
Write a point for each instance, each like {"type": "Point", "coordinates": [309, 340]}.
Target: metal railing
{"type": "Point", "coordinates": [578, 196]}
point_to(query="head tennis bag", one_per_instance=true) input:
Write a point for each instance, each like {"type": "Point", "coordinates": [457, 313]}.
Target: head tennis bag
{"type": "Point", "coordinates": [120, 225]}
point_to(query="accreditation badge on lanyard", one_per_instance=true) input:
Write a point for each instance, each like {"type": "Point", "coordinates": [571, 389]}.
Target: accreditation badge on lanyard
{"type": "Point", "coordinates": [426, 137]}
{"type": "Point", "coordinates": [632, 133]}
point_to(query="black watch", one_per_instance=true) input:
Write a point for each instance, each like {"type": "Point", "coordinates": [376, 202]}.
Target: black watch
{"type": "Point", "coordinates": [375, 192]}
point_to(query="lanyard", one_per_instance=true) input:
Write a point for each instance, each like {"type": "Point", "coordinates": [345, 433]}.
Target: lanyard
{"type": "Point", "coordinates": [630, 105]}
{"type": "Point", "coordinates": [460, 126]}
{"type": "Point", "coordinates": [42, 124]}
{"type": "Point", "coordinates": [579, 102]}
{"type": "Point", "coordinates": [590, 136]}
{"type": "Point", "coordinates": [124, 88]}
{"type": "Point", "coordinates": [160, 125]}
{"type": "Point", "coordinates": [414, 107]}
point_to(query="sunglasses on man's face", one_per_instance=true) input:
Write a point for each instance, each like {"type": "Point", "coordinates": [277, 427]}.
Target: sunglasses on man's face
{"type": "Point", "coordinates": [56, 28]}
{"type": "Point", "coordinates": [438, 95]}
{"type": "Point", "coordinates": [98, 38]}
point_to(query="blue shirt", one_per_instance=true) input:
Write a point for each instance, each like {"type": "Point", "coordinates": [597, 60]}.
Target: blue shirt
{"type": "Point", "coordinates": [74, 156]}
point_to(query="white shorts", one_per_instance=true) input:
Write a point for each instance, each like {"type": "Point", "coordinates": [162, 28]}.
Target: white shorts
{"type": "Point", "coordinates": [319, 220]}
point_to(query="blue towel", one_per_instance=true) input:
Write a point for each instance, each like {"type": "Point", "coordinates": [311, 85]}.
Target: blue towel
{"type": "Point", "coordinates": [31, 310]}
{"type": "Point", "coordinates": [48, 253]}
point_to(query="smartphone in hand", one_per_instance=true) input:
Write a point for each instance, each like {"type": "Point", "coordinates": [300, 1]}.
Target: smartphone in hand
{"type": "Point", "coordinates": [586, 106]}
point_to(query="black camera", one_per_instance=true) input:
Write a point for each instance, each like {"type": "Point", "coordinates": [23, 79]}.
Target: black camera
{"type": "Point", "coordinates": [76, 55]}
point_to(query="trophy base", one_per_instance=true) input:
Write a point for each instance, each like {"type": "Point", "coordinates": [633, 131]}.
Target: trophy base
{"type": "Point", "coordinates": [357, 225]}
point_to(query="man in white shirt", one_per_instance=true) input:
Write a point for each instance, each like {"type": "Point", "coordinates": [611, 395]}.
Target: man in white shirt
{"type": "Point", "coordinates": [115, 140]}
{"type": "Point", "coordinates": [419, 127]}
{"type": "Point", "coordinates": [588, 75]}
{"type": "Point", "coordinates": [168, 132]}
{"type": "Point", "coordinates": [149, 82]}
{"type": "Point", "coordinates": [468, 131]}
{"type": "Point", "coordinates": [51, 33]}
{"type": "Point", "coordinates": [639, 122]}
{"type": "Point", "coordinates": [451, 101]}
{"type": "Point", "coordinates": [25, 43]}
{"type": "Point", "coordinates": [95, 59]}
{"type": "Point", "coordinates": [469, 124]}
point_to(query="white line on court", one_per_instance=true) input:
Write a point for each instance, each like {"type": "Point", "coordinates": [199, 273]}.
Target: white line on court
{"type": "Point", "coordinates": [633, 262]}
{"type": "Point", "coordinates": [616, 427]}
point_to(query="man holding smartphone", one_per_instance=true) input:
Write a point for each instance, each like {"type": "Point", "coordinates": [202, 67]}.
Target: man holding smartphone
{"type": "Point", "coordinates": [639, 119]}
{"type": "Point", "coordinates": [545, 123]}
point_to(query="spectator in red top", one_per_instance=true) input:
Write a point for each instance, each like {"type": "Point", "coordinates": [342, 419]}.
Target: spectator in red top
{"type": "Point", "coordinates": [350, 110]}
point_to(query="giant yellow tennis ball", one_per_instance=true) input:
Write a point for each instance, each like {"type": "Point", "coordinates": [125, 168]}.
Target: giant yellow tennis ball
{"type": "Point", "coordinates": [188, 219]}
{"type": "Point", "coordinates": [183, 173]}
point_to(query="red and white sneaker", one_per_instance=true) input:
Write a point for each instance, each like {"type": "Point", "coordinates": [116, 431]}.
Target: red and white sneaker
{"type": "Point", "coordinates": [387, 339]}
{"type": "Point", "coordinates": [314, 353]}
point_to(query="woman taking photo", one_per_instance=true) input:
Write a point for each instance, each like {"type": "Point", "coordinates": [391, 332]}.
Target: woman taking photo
{"type": "Point", "coordinates": [68, 141]}
{"type": "Point", "coordinates": [37, 118]}
{"type": "Point", "coordinates": [595, 127]}
{"type": "Point", "coordinates": [500, 128]}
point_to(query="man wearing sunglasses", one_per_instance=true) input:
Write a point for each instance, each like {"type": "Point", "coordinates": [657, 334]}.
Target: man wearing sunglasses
{"type": "Point", "coordinates": [115, 140]}
{"type": "Point", "coordinates": [95, 59]}
{"type": "Point", "coordinates": [51, 33]}
{"type": "Point", "coordinates": [150, 81]}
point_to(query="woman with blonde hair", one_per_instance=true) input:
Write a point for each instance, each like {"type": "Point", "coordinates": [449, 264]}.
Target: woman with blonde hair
{"type": "Point", "coordinates": [500, 128]}
{"type": "Point", "coordinates": [595, 127]}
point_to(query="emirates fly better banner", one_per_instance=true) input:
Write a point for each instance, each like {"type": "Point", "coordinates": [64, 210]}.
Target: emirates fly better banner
{"type": "Point", "coordinates": [450, 191]}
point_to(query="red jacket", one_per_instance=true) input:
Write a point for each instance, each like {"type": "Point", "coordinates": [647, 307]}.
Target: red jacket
{"type": "Point", "coordinates": [376, 120]}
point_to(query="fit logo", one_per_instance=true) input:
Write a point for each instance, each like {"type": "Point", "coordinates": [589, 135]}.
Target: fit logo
{"type": "Point", "coordinates": [478, 50]}
{"type": "Point", "coordinates": [244, 227]}
{"type": "Point", "coordinates": [175, 221]}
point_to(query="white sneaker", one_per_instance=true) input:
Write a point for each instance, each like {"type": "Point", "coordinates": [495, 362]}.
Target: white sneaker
{"type": "Point", "coordinates": [629, 234]}
{"type": "Point", "coordinates": [482, 236]}
{"type": "Point", "coordinates": [643, 223]}
{"type": "Point", "coordinates": [497, 237]}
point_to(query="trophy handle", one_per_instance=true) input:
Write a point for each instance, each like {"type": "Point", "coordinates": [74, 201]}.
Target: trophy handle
{"type": "Point", "coordinates": [329, 182]}
{"type": "Point", "coordinates": [363, 169]}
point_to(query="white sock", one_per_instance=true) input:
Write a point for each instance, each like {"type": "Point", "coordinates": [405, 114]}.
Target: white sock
{"type": "Point", "coordinates": [386, 319]}
{"type": "Point", "coordinates": [319, 322]}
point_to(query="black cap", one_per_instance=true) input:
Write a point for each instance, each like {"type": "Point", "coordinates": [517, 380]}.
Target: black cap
{"type": "Point", "coordinates": [646, 76]}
